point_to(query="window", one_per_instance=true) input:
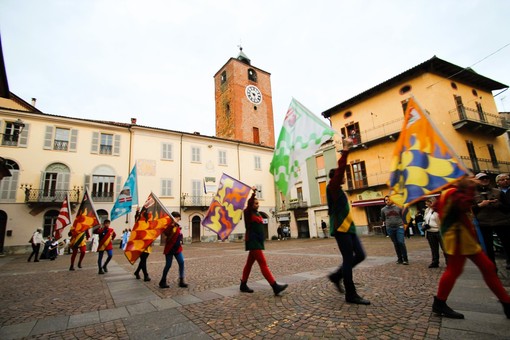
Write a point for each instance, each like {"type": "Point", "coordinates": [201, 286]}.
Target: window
{"type": "Point", "coordinates": [63, 140]}
{"type": "Point", "coordinates": [166, 151]}
{"type": "Point", "coordinates": [352, 131]}
{"type": "Point", "coordinates": [356, 176]}
{"type": "Point", "coordinates": [223, 77]}
{"type": "Point", "coordinates": [195, 154]}
{"type": "Point", "coordinates": [103, 188]}
{"type": "Point", "coordinates": [166, 187]}
{"type": "Point", "coordinates": [404, 89]}
{"type": "Point", "coordinates": [322, 192]}
{"type": "Point", "coordinates": [472, 155]}
{"type": "Point", "coordinates": [257, 163]}
{"type": "Point", "coordinates": [252, 75]}
{"type": "Point", "coordinates": [479, 109]}
{"type": "Point", "coordinates": [50, 218]}
{"type": "Point", "coordinates": [474, 92]}
{"type": "Point", "coordinates": [461, 110]}
{"type": "Point", "coordinates": [11, 134]}
{"type": "Point", "coordinates": [453, 85]}
{"type": "Point", "coordinates": [222, 157]}
{"type": "Point", "coordinates": [300, 194]}
{"type": "Point", "coordinates": [9, 185]}
{"type": "Point", "coordinates": [256, 135]}
{"type": "Point", "coordinates": [492, 153]}
{"type": "Point", "coordinates": [196, 192]}
{"type": "Point", "coordinates": [259, 193]}
{"type": "Point", "coordinates": [319, 162]}
{"type": "Point", "coordinates": [55, 182]}
{"type": "Point", "coordinates": [347, 114]}
{"type": "Point", "coordinates": [105, 144]}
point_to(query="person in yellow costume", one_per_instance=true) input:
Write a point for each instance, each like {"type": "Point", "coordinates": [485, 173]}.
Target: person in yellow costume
{"type": "Point", "coordinates": [460, 243]}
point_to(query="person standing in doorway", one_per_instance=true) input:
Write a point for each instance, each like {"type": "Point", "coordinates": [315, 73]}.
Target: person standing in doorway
{"type": "Point", "coordinates": [324, 227]}
{"type": "Point", "coordinates": [340, 220]}
{"type": "Point", "coordinates": [106, 237]}
{"type": "Point", "coordinates": [36, 240]}
{"type": "Point", "coordinates": [254, 244]}
{"type": "Point", "coordinates": [391, 215]}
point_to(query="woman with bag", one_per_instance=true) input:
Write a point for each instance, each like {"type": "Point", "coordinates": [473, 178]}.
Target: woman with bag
{"type": "Point", "coordinates": [431, 228]}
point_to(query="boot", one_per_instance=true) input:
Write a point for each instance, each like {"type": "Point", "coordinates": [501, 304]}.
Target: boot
{"type": "Point", "coordinates": [506, 308]}
{"type": "Point", "coordinates": [105, 269]}
{"type": "Point", "coordinates": [182, 284]}
{"type": "Point", "coordinates": [79, 264]}
{"type": "Point", "coordinates": [101, 271]}
{"type": "Point", "coordinates": [278, 288]}
{"type": "Point", "coordinates": [137, 276]}
{"type": "Point", "coordinates": [337, 282]}
{"type": "Point", "coordinates": [440, 307]}
{"type": "Point", "coordinates": [244, 288]}
{"type": "Point", "coordinates": [163, 284]}
{"type": "Point", "coordinates": [71, 268]}
{"type": "Point", "coordinates": [146, 278]}
{"type": "Point", "coordinates": [356, 299]}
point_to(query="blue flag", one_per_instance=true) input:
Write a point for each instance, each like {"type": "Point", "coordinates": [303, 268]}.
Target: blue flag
{"type": "Point", "coordinates": [127, 197]}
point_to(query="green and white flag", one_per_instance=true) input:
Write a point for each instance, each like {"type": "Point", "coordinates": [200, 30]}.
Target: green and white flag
{"type": "Point", "coordinates": [301, 135]}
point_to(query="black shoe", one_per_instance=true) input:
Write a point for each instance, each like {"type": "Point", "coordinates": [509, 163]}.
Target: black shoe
{"type": "Point", "coordinates": [506, 309]}
{"type": "Point", "coordinates": [338, 284]}
{"type": "Point", "coordinates": [278, 288]}
{"type": "Point", "coordinates": [399, 262]}
{"type": "Point", "coordinates": [434, 265]}
{"type": "Point", "coordinates": [163, 285]}
{"type": "Point", "coordinates": [244, 288]}
{"type": "Point", "coordinates": [79, 265]}
{"type": "Point", "coordinates": [101, 272]}
{"type": "Point", "coordinates": [137, 276]}
{"type": "Point", "coordinates": [71, 268]}
{"type": "Point", "coordinates": [146, 279]}
{"type": "Point", "coordinates": [405, 263]}
{"type": "Point", "coordinates": [182, 284]}
{"type": "Point", "coordinates": [358, 300]}
{"type": "Point", "coordinates": [104, 269]}
{"type": "Point", "coordinates": [441, 308]}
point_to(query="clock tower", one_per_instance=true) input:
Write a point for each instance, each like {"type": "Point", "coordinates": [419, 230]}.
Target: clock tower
{"type": "Point", "coordinates": [244, 106]}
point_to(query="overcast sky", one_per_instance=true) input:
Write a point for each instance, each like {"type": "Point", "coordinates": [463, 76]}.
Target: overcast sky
{"type": "Point", "coordinates": [155, 60]}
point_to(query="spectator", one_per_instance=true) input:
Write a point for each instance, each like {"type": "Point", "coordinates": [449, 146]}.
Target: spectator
{"type": "Point", "coordinates": [36, 240]}
{"type": "Point", "coordinates": [391, 215]}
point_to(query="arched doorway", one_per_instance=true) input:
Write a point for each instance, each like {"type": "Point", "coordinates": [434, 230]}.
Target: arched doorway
{"type": "Point", "coordinates": [195, 229]}
{"type": "Point", "coordinates": [3, 225]}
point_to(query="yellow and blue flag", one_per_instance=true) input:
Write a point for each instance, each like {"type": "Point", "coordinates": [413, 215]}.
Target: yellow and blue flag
{"type": "Point", "coordinates": [423, 163]}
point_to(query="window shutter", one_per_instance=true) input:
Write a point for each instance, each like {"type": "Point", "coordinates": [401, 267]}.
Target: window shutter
{"type": "Point", "coordinates": [348, 173]}
{"type": "Point", "coordinates": [118, 183]}
{"type": "Point", "coordinates": [116, 145]}
{"type": "Point", "coordinates": [74, 140]}
{"type": "Point", "coordinates": [87, 182]}
{"type": "Point", "coordinates": [95, 143]}
{"type": "Point", "coordinates": [23, 138]}
{"type": "Point", "coordinates": [48, 138]}
{"type": "Point", "coordinates": [364, 174]}
{"type": "Point", "coordinates": [63, 181]}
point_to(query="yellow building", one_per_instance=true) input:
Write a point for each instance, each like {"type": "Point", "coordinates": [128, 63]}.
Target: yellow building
{"type": "Point", "coordinates": [49, 156]}
{"type": "Point", "coordinates": [459, 101]}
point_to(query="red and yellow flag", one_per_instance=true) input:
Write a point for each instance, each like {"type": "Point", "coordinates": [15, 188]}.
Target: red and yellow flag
{"type": "Point", "coordinates": [151, 221]}
{"type": "Point", "coordinates": [86, 217]}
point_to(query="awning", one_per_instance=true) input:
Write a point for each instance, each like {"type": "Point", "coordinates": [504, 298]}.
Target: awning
{"type": "Point", "coordinates": [368, 203]}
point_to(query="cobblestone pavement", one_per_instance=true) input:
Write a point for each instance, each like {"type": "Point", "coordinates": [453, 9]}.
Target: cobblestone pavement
{"type": "Point", "coordinates": [45, 300]}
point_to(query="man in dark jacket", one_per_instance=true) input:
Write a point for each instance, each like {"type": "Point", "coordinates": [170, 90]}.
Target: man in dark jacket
{"type": "Point", "coordinates": [503, 183]}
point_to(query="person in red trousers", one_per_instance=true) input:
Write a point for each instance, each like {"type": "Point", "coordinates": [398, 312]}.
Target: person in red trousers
{"type": "Point", "coordinates": [254, 243]}
{"type": "Point", "coordinates": [460, 243]}
{"type": "Point", "coordinates": [78, 242]}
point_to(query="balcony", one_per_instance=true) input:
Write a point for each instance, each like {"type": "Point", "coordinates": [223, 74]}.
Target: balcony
{"type": "Point", "coordinates": [297, 204]}
{"type": "Point", "coordinates": [389, 130]}
{"type": "Point", "coordinates": [478, 121]}
{"type": "Point", "coordinates": [371, 180]}
{"type": "Point", "coordinates": [485, 165]}
{"type": "Point", "coordinates": [46, 198]}
{"type": "Point", "coordinates": [201, 202]}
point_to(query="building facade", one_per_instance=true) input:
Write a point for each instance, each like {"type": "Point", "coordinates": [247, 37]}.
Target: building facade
{"type": "Point", "coordinates": [55, 155]}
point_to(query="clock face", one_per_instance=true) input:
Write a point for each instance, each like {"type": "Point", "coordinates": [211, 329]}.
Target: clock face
{"type": "Point", "coordinates": [253, 94]}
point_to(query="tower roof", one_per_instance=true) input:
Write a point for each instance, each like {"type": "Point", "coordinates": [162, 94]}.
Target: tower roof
{"type": "Point", "coordinates": [243, 57]}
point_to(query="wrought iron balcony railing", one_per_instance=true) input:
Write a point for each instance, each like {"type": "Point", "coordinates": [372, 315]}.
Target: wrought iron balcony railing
{"type": "Point", "coordinates": [188, 201]}
{"type": "Point", "coordinates": [485, 165]}
{"type": "Point", "coordinates": [50, 196]}
{"type": "Point", "coordinates": [297, 203]}
{"type": "Point", "coordinates": [478, 120]}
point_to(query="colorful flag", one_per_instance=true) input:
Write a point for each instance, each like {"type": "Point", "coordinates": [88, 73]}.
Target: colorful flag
{"type": "Point", "coordinates": [128, 197]}
{"type": "Point", "coordinates": [63, 218]}
{"type": "Point", "coordinates": [86, 217]}
{"type": "Point", "coordinates": [423, 163]}
{"type": "Point", "coordinates": [150, 222]}
{"type": "Point", "coordinates": [227, 206]}
{"type": "Point", "coordinates": [301, 135]}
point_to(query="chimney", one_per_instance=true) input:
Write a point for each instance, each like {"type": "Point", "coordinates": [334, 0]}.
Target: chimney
{"type": "Point", "coordinates": [133, 120]}
{"type": "Point", "coordinates": [34, 100]}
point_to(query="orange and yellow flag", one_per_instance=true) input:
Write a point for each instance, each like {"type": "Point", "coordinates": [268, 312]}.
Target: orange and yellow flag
{"type": "Point", "coordinates": [423, 163]}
